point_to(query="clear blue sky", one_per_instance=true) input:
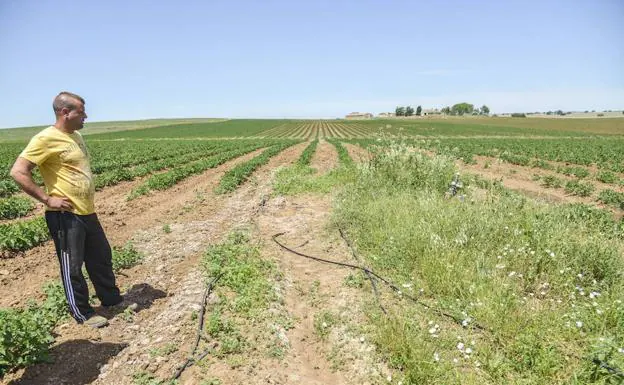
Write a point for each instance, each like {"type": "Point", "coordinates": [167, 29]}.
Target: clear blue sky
{"type": "Point", "coordinates": [151, 59]}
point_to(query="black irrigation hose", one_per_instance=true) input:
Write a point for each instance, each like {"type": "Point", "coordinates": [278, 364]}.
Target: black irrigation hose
{"type": "Point", "coordinates": [200, 327]}
{"type": "Point", "coordinates": [382, 279]}
{"type": "Point", "coordinates": [610, 369]}
{"type": "Point", "coordinates": [370, 276]}
{"type": "Point", "coordinates": [613, 370]}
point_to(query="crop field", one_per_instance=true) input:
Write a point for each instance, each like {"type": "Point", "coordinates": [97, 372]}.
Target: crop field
{"type": "Point", "coordinates": [221, 231]}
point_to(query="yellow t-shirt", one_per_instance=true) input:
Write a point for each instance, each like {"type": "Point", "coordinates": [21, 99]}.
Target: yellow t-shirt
{"type": "Point", "coordinates": [63, 161]}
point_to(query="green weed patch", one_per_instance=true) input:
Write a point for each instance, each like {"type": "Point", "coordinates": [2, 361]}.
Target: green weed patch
{"type": "Point", "coordinates": [546, 282]}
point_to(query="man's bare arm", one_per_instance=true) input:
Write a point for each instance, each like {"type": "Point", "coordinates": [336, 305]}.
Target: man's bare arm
{"type": "Point", "coordinates": [22, 173]}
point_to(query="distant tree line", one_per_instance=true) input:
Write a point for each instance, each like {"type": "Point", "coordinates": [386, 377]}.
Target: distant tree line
{"type": "Point", "coordinates": [465, 109]}
{"type": "Point", "coordinates": [407, 111]}
{"type": "Point", "coordinates": [458, 109]}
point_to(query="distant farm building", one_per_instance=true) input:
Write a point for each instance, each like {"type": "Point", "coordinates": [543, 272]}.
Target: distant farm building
{"type": "Point", "coordinates": [359, 115]}
{"type": "Point", "coordinates": [386, 115]}
{"type": "Point", "coordinates": [431, 111]}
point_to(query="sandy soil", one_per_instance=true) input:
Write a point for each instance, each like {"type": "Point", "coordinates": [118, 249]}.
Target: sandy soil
{"type": "Point", "coordinates": [325, 157]}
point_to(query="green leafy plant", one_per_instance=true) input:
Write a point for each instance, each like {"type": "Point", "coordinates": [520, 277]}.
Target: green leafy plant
{"type": "Point", "coordinates": [551, 181]}
{"type": "Point", "coordinates": [125, 257]}
{"type": "Point", "coordinates": [612, 197]}
{"type": "Point", "coordinates": [15, 206]}
{"type": "Point", "coordinates": [606, 177]}
{"type": "Point", "coordinates": [306, 155]}
{"type": "Point", "coordinates": [26, 334]}
{"type": "Point", "coordinates": [576, 187]}
{"type": "Point", "coordinates": [237, 175]}
{"type": "Point", "coordinates": [23, 235]}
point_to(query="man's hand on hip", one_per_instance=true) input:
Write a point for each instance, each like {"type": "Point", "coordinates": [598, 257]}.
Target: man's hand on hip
{"type": "Point", "coordinates": [59, 203]}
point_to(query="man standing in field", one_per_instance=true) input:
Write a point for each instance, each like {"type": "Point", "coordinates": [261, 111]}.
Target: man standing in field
{"type": "Point", "coordinates": [61, 155]}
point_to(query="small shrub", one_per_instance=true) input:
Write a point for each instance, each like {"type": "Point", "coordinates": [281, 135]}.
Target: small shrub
{"type": "Point", "coordinates": [578, 172]}
{"type": "Point", "coordinates": [551, 181]}
{"type": "Point", "coordinates": [582, 189]}
{"type": "Point", "coordinates": [612, 198]}
{"type": "Point", "coordinates": [323, 322]}
{"type": "Point", "coordinates": [606, 177]}
{"type": "Point", "coordinates": [125, 257]}
{"type": "Point", "coordinates": [26, 334]}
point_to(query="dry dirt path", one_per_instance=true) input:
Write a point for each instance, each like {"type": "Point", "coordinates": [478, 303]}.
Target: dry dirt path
{"type": "Point", "coordinates": [325, 157]}
{"type": "Point", "coordinates": [357, 153]}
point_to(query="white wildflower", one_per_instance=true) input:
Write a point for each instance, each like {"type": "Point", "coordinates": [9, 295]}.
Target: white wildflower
{"type": "Point", "coordinates": [436, 357]}
{"type": "Point", "coordinates": [460, 346]}
{"type": "Point", "coordinates": [579, 324]}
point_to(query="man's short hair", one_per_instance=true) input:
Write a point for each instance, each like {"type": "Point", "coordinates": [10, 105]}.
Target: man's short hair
{"type": "Point", "coordinates": [65, 100]}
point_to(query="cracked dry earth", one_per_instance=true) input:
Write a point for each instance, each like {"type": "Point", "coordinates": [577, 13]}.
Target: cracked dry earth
{"type": "Point", "coordinates": [168, 287]}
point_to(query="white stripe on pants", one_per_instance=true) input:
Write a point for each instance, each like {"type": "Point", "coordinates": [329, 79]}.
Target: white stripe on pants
{"type": "Point", "coordinates": [69, 290]}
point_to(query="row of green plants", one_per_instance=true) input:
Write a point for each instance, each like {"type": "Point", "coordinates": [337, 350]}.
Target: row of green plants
{"type": "Point", "coordinates": [238, 174]}
{"type": "Point", "coordinates": [170, 178]}
{"type": "Point", "coordinates": [312, 130]}
{"type": "Point", "coordinates": [128, 160]}
{"type": "Point", "coordinates": [583, 189]}
{"type": "Point", "coordinates": [343, 155]}
{"type": "Point", "coordinates": [605, 153]}
{"type": "Point", "coordinates": [129, 153]}
{"type": "Point", "coordinates": [23, 235]}
{"type": "Point", "coordinates": [15, 206]}
{"type": "Point", "coordinates": [26, 334]}
{"type": "Point", "coordinates": [113, 177]}
{"type": "Point", "coordinates": [306, 156]}
{"type": "Point", "coordinates": [301, 177]}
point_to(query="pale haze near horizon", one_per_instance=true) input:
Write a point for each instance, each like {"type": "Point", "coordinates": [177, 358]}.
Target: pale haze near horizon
{"type": "Point", "coordinates": [322, 59]}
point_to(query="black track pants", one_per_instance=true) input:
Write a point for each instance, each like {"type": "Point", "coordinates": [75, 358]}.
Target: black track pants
{"type": "Point", "coordinates": [80, 239]}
